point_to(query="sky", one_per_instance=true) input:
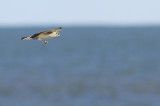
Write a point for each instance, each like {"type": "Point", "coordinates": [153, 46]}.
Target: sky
{"type": "Point", "coordinates": [79, 12]}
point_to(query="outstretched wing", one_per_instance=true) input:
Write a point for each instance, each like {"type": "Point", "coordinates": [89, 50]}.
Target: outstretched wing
{"type": "Point", "coordinates": [44, 32]}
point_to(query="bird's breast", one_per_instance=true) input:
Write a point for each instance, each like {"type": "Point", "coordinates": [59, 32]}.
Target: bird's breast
{"type": "Point", "coordinates": [54, 34]}
{"type": "Point", "coordinates": [44, 36]}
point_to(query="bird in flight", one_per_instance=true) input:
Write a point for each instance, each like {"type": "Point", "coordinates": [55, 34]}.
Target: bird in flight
{"type": "Point", "coordinates": [44, 34]}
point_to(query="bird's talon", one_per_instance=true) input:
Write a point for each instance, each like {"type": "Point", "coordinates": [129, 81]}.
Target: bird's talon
{"type": "Point", "coordinates": [45, 42]}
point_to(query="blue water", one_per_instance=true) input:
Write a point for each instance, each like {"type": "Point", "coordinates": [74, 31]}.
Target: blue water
{"type": "Point", "coordinates": [86, 66]}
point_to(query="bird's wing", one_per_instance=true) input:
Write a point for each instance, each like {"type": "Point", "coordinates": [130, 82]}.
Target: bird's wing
{"type": "Point", "coordinates": [44, 32]}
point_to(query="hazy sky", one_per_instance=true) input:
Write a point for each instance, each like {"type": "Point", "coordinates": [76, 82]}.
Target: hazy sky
{"type": "Point", "coordinates": [79, 12]}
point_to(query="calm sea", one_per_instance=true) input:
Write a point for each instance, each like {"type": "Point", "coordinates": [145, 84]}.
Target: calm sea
{"type": "Point", "coordinates": [86, 66]}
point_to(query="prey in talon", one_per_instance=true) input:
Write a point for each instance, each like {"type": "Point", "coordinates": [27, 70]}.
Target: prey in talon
{"type": "Point", "coordinates": [44, 35]}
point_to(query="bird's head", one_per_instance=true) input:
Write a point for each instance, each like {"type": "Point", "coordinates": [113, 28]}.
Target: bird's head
{"type": "Point", "coordinates": [59, 29]}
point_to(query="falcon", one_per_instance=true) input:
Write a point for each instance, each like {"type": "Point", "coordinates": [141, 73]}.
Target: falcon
{"type": "Point", "coordinates": [44, 35]}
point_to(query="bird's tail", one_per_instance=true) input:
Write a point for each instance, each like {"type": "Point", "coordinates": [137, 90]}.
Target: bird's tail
{"type": "Point", "coordinates": [26, 38]}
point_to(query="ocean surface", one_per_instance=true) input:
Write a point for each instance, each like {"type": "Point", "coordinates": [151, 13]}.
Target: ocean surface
{"type": "Point", "coordinates": [85, 66]}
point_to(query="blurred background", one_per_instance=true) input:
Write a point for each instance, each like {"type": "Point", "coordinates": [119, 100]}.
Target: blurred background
{"type": "Point", "coordinates": [107, 54]}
